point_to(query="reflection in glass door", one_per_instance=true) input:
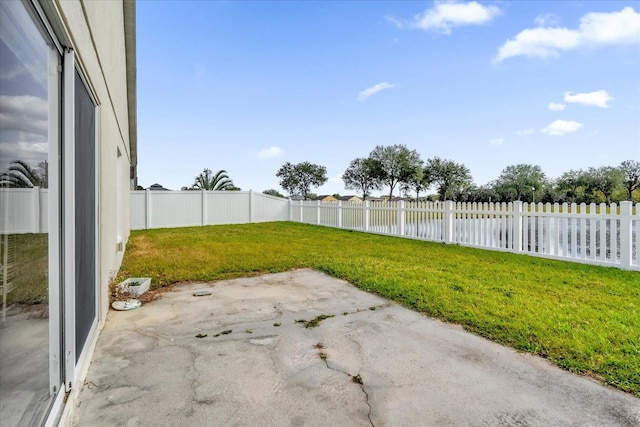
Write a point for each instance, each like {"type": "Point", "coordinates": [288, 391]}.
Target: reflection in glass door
{"type": "Point", "coordinates": [30, 369]}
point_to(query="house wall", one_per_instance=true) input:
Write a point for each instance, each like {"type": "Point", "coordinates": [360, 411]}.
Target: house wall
{"type": "Point", "coordinates": [95, 31]}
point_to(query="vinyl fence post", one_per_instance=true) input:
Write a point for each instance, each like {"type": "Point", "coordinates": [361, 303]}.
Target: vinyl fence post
{"type": "Point", "coordinates": [289, 210]}
{"type": "Point", "coordinates": [251, 213]}
{"type": "Point", "coordinates": [204, 207]}
{"type": "Point", "coordinates": [318, 212]}
{"type": "Point", "coordinates": [517, 226]}
{"type": "Point", "coordinates": [339, 213]}
{"type": "Point", "coordinates": [448, 222]}
{"type": "Point", "coordinates": [401, 218]}
{"type": "Point", "coordinates": [366, 215]}
{"type": "Point", "coordinates": [626, 246]}
{"type": "Point", "coordinates": [147, 206]}
{"type": "Point", "coordinates": [36, 209]}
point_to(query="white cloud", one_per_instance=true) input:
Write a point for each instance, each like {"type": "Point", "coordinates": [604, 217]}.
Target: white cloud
{"type": "Point", "coordinates": [614, 27]}
{"type": "Point", "coordinates": [556, 107]}
{"type": "Point", "coordinates": [598, 98]}
{"type": "Point", "coordinates": [373, 90]}
{"type": "Point", "coordinates": [24, 113]}
{"type": "Point", "coordinates": [595, 29]}
{"type": "Point", "coordinates": [546, 20]}
{"type": "Point", "coordinates": [19, 149]}
{"type": "Point", "coordinates": [336, 179]}
{"type": "Point", "coordinates": [270, 153]}
{"type": "Point", "coordinates": [31, 150]}
{"type": "Point", "coordinates": [446, 15]}
{"type": "Point", "coordinates": [395, 21]}
{"type": "Point", "coordinates": [11, 71]}
{"type": "Point", "coordinates": [540, 42]}
{"type": "Point", "coordinates": [497, 141]}
{"type": "Point", "coordinates": [560, 127]}
{"type": "Point", "coordinates": [525, 132]}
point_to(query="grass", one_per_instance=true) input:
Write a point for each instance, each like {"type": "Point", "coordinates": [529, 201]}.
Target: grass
{"type": "Point", "coordinates": [583, 318]}
{"type": "Point", "coordinates": [314, 323]}
{"type": "Point", "coordinates": [30, 280]}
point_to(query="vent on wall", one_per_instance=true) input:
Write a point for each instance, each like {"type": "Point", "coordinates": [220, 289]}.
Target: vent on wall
{"type": "Point", "coordinates": [119, 247]}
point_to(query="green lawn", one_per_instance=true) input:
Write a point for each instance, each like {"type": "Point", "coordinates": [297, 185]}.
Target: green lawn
{"type": "Point", "coordinates": [583, 318]}
{"type": "Point", "coordinates": [30, 268]}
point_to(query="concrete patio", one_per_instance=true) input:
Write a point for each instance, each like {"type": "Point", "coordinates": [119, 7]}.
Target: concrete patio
{"type": "Point", "coordinates": [174, 362]}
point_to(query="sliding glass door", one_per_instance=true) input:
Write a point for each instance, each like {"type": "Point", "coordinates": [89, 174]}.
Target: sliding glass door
{"type": "Point", "coordinates": [30, 229]}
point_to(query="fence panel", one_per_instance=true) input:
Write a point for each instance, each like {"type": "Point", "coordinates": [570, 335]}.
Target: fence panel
{"type": "Point", "coordinates": [227, 207]}
{"type": "Point", "coordinates": [24, 210]}
{"type": "Point", "coordinates": [138, 210]}
{"type": "Point", "coordinates": [171, 209]}
{"type": "Point", "coordinates": [352, 215]}
{"type": "Point", "coordinates": [635, 238]}
{"type": "Point", "coordinates": [269, 208]}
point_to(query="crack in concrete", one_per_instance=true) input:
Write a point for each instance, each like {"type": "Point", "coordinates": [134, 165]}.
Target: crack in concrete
{"type": "Point", "coordinates": [370, 308]}
{"type": "Point", "coordinates": [151, 334]}
{"type": "Point", "coordinates": [366, 395]}
{"type": "Point", "coordinates": [194, 375]}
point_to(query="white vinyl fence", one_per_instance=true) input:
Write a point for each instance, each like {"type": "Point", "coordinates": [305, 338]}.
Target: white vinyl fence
{"type": "Point", "coordinates": [602, 234]}
{"type": "Point", "coordinates": [24, 210]}
{"type": "Point", "coordinates": [163, 209]}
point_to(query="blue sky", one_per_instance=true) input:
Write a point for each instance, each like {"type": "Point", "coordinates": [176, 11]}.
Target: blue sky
{"type": "Point", "coordinates": [248, 86]}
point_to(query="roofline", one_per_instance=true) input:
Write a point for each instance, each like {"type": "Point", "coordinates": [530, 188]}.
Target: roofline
{"type": "Point", "coordinates": [129, 8]}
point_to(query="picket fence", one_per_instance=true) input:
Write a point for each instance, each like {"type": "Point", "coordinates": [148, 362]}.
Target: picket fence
{"type": "Point", "coordinates": [601, 234]}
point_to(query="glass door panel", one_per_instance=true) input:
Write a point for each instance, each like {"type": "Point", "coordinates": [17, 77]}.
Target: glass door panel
{"type": "Point", "coordinates": [29, 238]}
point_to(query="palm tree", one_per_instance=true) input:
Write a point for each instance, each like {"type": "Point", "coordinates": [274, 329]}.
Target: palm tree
{"type": "Point", "coordinates": [20, 175]}
{"type": "Point", "coordinates": [218, 182]}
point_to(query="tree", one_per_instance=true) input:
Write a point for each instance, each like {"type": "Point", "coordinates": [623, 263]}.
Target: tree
{"type": "Point", "coordinates": [218, 182]}
{"type": "Point", "coordinates": [418, 182]}
{"type": "Point", "coordinates": [484, 194]}
{"type": "Point", "coordinates": [550, 193]}
{"type": "Point", "coordinates": [631, 176]}
{"type": "Point", "coordinates": [396, 164]}
{"type": "Point", "coordinates": [604, 179]}
{"type": "Point", "coordinates": [362, 175]}
{"type": "Point", "coordinates": [570, 183]}
{"type": "Point", "coordinates": [299, 179]}
{"type": "Point", "coordinates": [517, 181]}
{"type": "Point", "coordinates": [20, 175]}
{"type": "Point", "coordinates": [450, 177]}
{"type": "Point", "coordinates": [272, 192]}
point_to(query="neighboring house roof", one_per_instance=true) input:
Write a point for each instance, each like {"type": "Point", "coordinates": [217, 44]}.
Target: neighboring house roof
{"type": "Point", "coordinates": [296, 198]}
{"type": "Point", "coordinates": [158, 187]}
{"type": "Point", "coordinates": [350, 198]}
{"type": "Point", "coordinates": [326, 198]}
